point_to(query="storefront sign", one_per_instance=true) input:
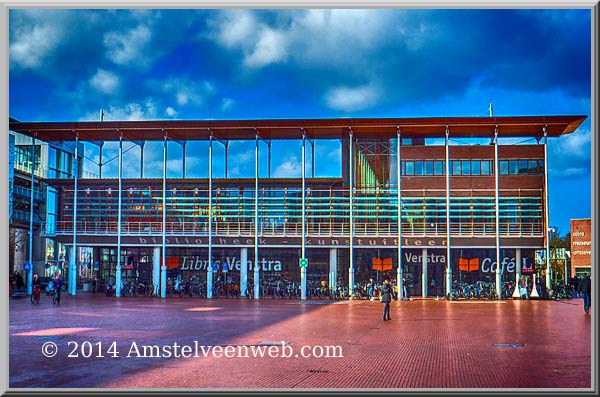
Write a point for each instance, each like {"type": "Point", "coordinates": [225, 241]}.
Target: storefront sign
{"type": "Point", "coordinates": [296, 241]}
{"type": "Point", "coordinates": [231, 263]}
{"type": "Point", "coordinates": [581, 242]}
{"type": "Point", "coordinates": [431, 258]}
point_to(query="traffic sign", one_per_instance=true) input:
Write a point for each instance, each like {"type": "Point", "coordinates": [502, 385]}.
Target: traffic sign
{"type": "Point", "coordinates": [27, 266]}
{"type": "Point", "coordinates": [225, 268]}
{"type": "Point", "coordinates": [303, 262]}
{"type": "Point", "coordinates": [215, 267]}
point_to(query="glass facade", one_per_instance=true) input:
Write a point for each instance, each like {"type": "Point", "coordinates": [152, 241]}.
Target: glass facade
{"type": "Point", "coordinates": [327, 212]}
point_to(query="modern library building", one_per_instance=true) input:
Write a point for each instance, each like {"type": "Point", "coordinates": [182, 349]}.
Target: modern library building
{"type": "Point", "coordinates": [440, 200]}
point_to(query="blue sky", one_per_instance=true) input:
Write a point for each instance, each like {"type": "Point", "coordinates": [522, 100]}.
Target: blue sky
{"type": "Point", "coordinates": [234, 64]}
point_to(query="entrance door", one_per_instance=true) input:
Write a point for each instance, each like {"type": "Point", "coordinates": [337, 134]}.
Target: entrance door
{"type": "Point", "coordinates": [413, 274]}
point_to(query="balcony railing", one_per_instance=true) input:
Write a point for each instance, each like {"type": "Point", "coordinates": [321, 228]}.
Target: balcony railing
{"type": "Point", "coordinates": [284, 229]}
{"type": "Point", "coordinates": [26, 192]}
{"type": "Point", "coordinates": [23, 216]}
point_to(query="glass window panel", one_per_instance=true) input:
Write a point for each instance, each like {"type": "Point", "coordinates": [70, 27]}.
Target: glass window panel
{"type": "Point", "coordinates": [466, 167]}
{"type": "Point", "coordinates": [475, 167]}
{"type": "Point", "coordinates": [410, 168]}
{"type": "Point", "coordinates": [429, 168]}
{"type": "Point", "coordinates": [503, 167]}
{"type": "Point", "coordinates": [51, 157]}
{"type": "Point", "coordinates": [523, 167]}
{"type": "Point", "coordinates": [456, 168]}
{"type": "Point", "coordinates": [438, 168]}
{"type": "Point", "coordinates": [418, 168]}
{"type": "Point", "coordinates": [403, 171]}
{"type": "Point", "coordinates": [486, 167]}
{"type": "Point", "coordinates": [541, 166]}
{"type": "Point", "coordinates": [514, 167]}
{"type": "Point", "coordinates": [532, 169]}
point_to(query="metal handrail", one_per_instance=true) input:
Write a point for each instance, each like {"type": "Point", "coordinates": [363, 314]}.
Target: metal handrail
{"type": "Point", "coordinates": [361, 229]}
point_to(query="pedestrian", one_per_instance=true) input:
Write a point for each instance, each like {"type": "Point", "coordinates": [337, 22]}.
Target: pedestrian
{"type": "Point", "coordinates": [36, 283]}
{"type": "Point", "coordinates": [371, 289]}
{"type": "Point", "coordinates": [585, 289]}
{"type": "Point", "coordinates": [57, 285]}
{"type": "Point", "coordinates": [94, 283]}
{"type": "Point", "coordinates": [19, 280]}
{"type": "Point", "coordinates": [386, 297]}
{"type": "Point", "coordinates": [11, 280]}
{"type": "Point", "coordinates": [404, 289]}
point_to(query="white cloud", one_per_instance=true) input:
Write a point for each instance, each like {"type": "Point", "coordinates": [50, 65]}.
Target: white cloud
{"type": "Point", "coordinates": [170, 112]}
{"type": "Point", "coordinates": [185, 91]}
{"type": "Point", "coordinates": [570, 155]}
{"type": "Point", "coordinates": [128, 47]}
{"type": "Point", "coordinates": [132, 111]}
{"type": "Point", "coordinates": [270, 48]}
{"type": "Point", "coordinates": [350, 99]}
{"type": "Point", "coordinates": [319, 37]}
{"type": "Point", "coordinates": [260, 44]}
{"type": "Point", "coordinates": [31, 45]}
{"type": "Point", "coordinates": [227, 104]}
{"type": "Point", "coordinates": [104, 81]}
{"type": "Point", "coordinates": [234, 27]}
{"type": "Point", "coordinates": [289, 168]}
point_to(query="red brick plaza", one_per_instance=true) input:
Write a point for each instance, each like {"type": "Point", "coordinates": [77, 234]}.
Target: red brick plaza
{"type": "Point", "coordinates": [428, 344]}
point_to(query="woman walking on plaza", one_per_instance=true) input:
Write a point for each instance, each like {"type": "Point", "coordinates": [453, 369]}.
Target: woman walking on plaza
{"type": "Point", "coordinates": [386, 297]}
{"type": "Point", "coordinates": [585, 289]}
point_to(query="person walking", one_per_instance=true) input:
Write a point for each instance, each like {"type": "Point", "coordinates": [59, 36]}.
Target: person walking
{"type": "Point", "coordinates": [371, 289]}
{"type": "Point", "coordinates": [386, 297]}
{"type": "Point", "coordinates": [585, 289]}
{"type": "Point", "coordinates": [19, 280]}
{"type": "Point", "coordinates": [94, 284]}
{"type": "Point", "coordinates": [58, 283]}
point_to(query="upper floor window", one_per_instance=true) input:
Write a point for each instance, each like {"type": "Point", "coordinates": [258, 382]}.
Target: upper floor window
{"type": "Point", "coordinates": [521, 167]}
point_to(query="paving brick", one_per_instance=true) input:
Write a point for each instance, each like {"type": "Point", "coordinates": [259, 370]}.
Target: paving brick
{"type": "Point", "coordinates": [428, 344]}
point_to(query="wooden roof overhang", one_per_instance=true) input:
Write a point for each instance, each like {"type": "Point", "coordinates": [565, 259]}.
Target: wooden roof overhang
{"type": "Point", "coordinates": [281, 129]}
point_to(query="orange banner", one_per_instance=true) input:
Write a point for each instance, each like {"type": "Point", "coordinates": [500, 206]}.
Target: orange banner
{"type": "Point", "coordinates": [468, 265]}
{"type": "Point", "coordinates": [382, 265]}
{"type": "Point", "coordinates": [172, 262]}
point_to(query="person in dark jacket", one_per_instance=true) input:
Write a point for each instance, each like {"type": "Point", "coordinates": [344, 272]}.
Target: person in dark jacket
{"type": "Point", "coordinates": [585, 289]}
{"type": "Point", "coordinates": [57, 284]}
{"type": "Point", "coordinates": [386, 297]}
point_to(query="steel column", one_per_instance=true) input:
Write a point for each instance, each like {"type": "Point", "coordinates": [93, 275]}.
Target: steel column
{"type": "Point", "coordinates": [547, 215]}
{"type": "Point", "coordinates": [73, 264]}
{"type": "Point", "coordinates": [351, 183]}
{"type": "Point", "coordinates": [268, 159]}
{"type": "Point", "coordinates": [226, 156]}
{"type": "Point", "coordinates": [100, 160]}
{"type": "Point", "coordinates": [243, 271]}
{"type": "Point", "coordinates": [448, 259]}
{"type": "Point", "coordinates": [142, 159]}
{"type": "Point", "coordinates": [256, 268]}
{"type": "Point", "coordinates": [163, 268]}
{"type": "Point", "coordinates": [333, 270]}
{"type": "Point", "coordinates": [184, 147]}
{"type": "Point", "coordinates": [516, 292]}
{"type": "Point", "coordinates": [312, 153]}
{"type": "Point", "coordinates": [496, 187]}
{"type": "Point", "coordinates": [31, 204]}
{"type": "Point", "coordinates": [118, 281]}
{"type": "Point", "coordinates": [425, 273]}
{"type": "Point", "coordinates": [399, 275]}
{"type": "Point", "coordinates": [209, 271]}
{"type": "Point", "coordinates": [155, 270]}
{"type": "Point", "coordinates": [303, 250]}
